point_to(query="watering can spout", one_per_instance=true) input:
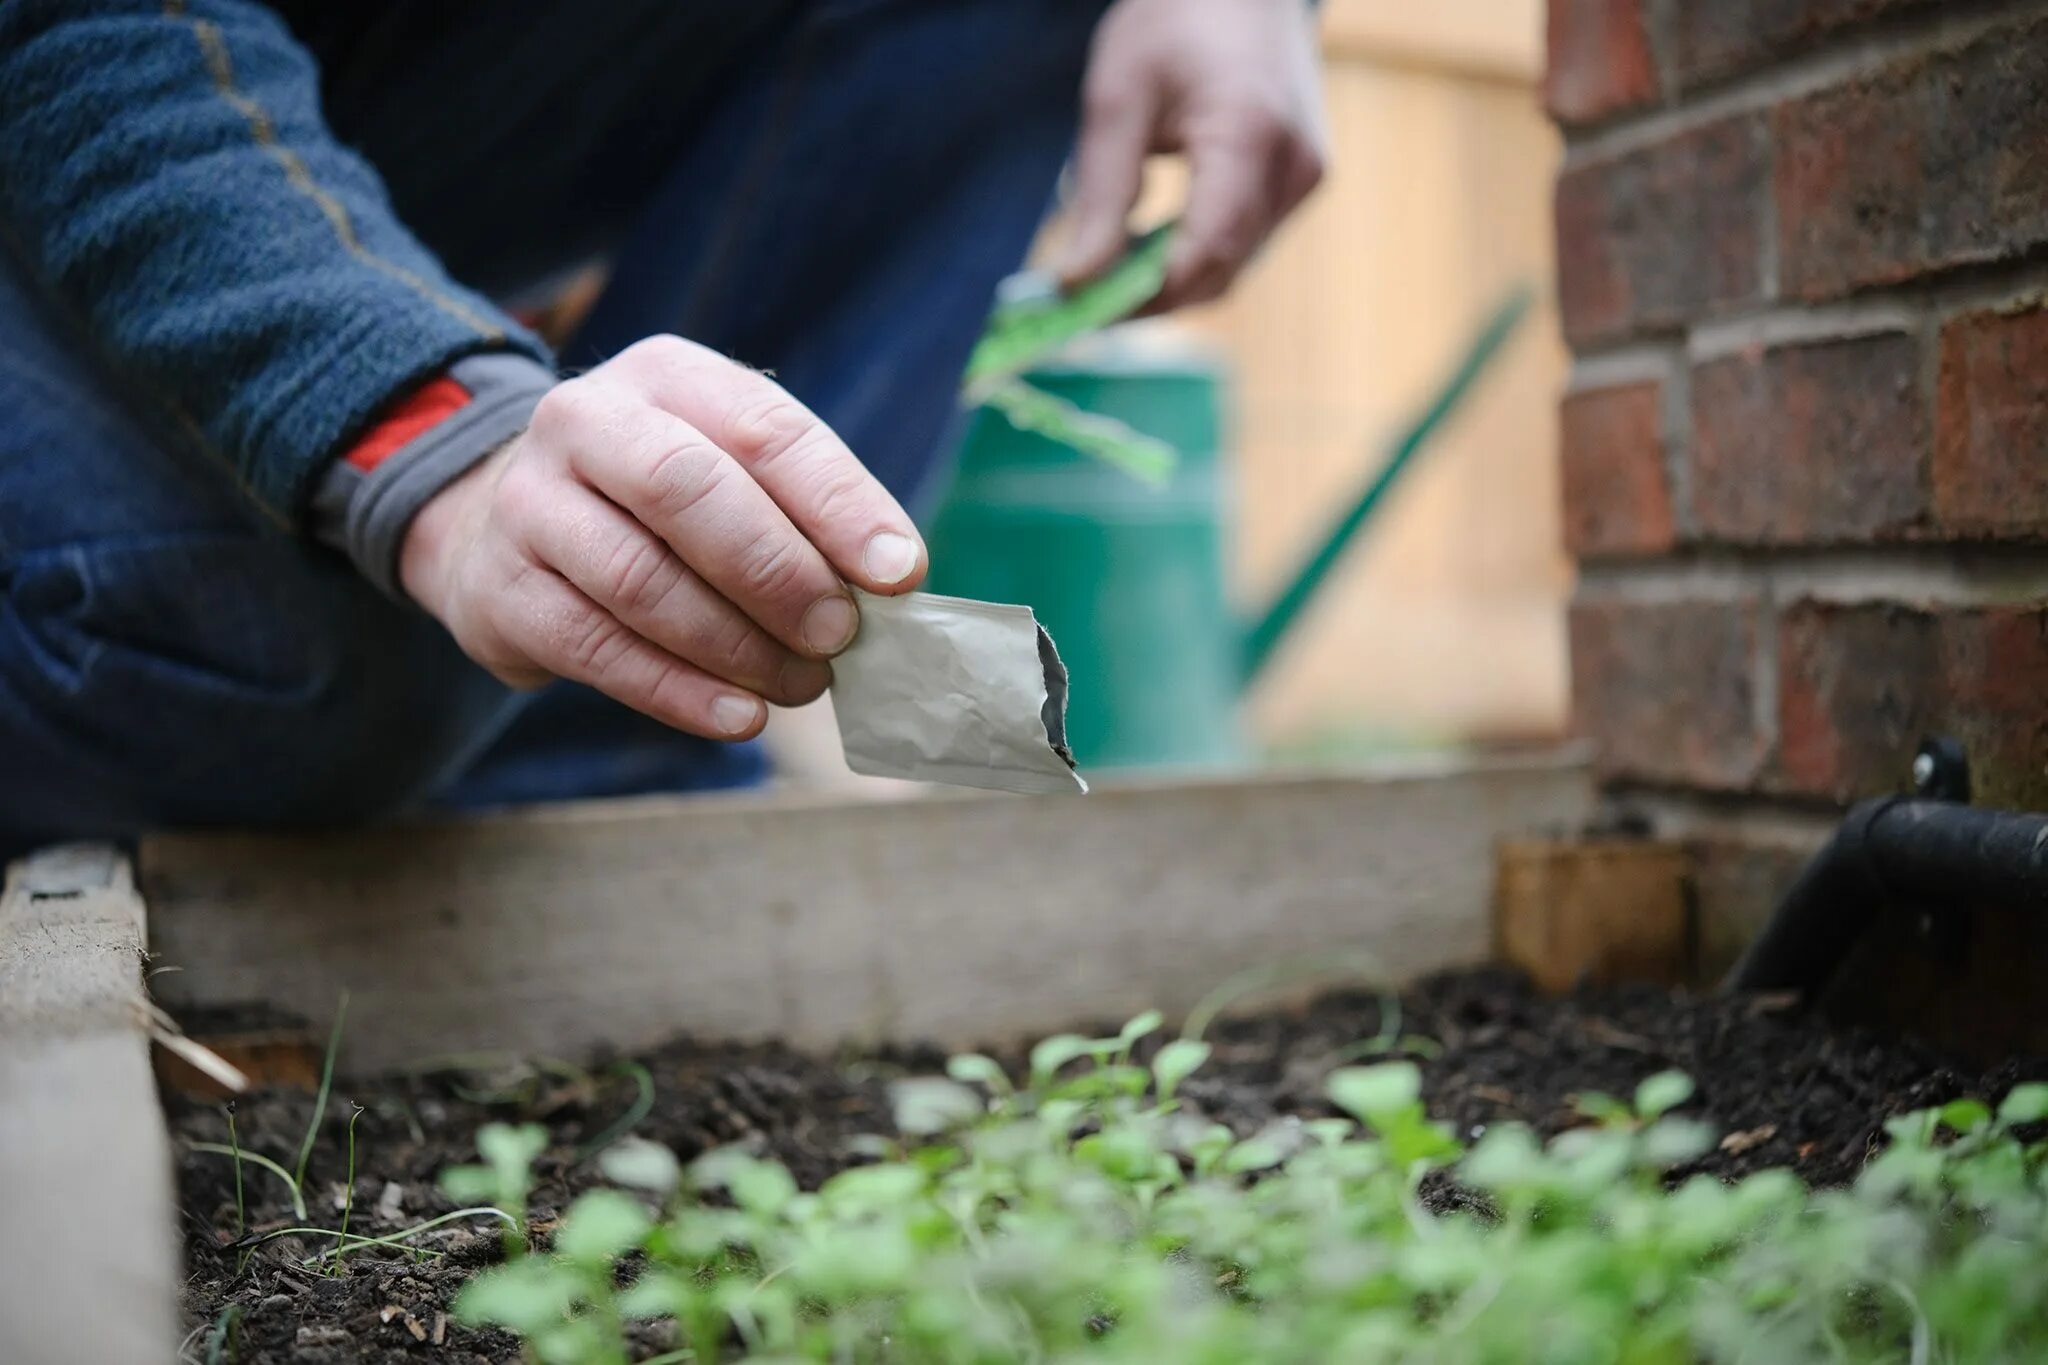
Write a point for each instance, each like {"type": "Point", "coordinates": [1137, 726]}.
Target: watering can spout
{"type": "Point", "coordinates": [1263, 636]}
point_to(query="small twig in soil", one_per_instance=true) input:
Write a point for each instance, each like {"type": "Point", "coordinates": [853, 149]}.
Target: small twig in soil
{"type": "Point", "coordinates": [326, 1084]}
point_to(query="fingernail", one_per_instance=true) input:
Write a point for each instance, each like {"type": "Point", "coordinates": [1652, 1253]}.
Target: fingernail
{"type": "Point", "coordinates": [890, 558]}
{"type": "Point", "coordinates": [735, 715]}
{"type": "Point", "coordinates": [829, 625]}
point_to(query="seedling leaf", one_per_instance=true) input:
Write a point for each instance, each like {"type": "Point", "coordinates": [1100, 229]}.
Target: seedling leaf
{"type": "Point", "coordinates": [1965, 1115]}
{"type": "Point", "coordinates": [1055, 1052]}
{"type": "Point", "coordinates": [642, 1165]}
{"type": "Point", "coordinates": [1374, 1093]}
{"type": "Point", "coordinates": [1177, 1061]}
{"type": "Point", "coordinates": [1148, 1022]}
{"type": "Point", "coordinates": [925, 1105]}
{"type": "Point", "coordinates": [1661, 1093]}
{"type": "Point", "coordinates": [600, 1226]}
{"type": "Point", "coordinates": [975, 1069]}
{"type": "Point", "coordinates": [528, 1296]}
{"type": "Point", "coordinates": [2024, 1104]}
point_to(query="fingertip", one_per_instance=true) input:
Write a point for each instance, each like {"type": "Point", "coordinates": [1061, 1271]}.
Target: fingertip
{"type": "Point", "coordinates": [1089, 254]}
{"type": "Point", "coordinates": [893, 563]}
{"type": "Point", "coordinates": [738, 715]}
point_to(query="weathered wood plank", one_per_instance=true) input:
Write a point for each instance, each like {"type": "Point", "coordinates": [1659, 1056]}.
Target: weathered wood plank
{"type": "Point", "coordinates": [1596, 910]}
{"type": "Point", "coordinates": [951, 918]}
{"type": "Point", "coordinates": [87, 1237]}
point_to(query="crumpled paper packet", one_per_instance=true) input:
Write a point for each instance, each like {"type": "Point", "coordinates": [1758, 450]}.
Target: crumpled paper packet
{"type": "Point", "coordinates": [943, 689]}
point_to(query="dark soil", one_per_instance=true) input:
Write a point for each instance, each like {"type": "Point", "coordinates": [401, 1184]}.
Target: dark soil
{"type": "Point", "coordinates": [1787, 1091]}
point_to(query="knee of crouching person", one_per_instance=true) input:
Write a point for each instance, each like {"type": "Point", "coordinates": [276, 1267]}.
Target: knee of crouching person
{"type": "Point", "coordinates": [218, 680]}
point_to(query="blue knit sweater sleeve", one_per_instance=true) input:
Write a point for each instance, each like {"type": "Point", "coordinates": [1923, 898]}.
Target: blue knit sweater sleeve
{"type": "Point", "coordinates": [165, 171]}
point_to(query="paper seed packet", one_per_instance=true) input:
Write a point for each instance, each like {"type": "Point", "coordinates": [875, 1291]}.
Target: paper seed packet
{"type": "Point", "coordinates": [943, 689]}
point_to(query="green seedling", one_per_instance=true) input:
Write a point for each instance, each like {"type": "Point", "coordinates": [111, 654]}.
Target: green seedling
{"type": "Point", "coordinates": [235, 1151]}
{"type": "Point", "coordinates": [348, 1194]}
{"type": "Point", "coordinates": [259, 1160]}
{"type": "Point", "coordinates": [505, 1178]}
{"type": "Point", "coordinates": [220, 1343]}
{"type": "Point", "coordinates": [1086, 1215]}
{"type": "Point", "coordinates": [320, 1100]}
{"type": "Point", "coordinates": [640, 1108]}
{"type": "Point", "coordinates": [347, 1242]}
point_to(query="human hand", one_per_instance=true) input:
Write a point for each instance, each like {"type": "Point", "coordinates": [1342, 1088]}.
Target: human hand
{"type": "Point", "coordinates": [1233, 85]}
{"type": "Point", "coordinates": [674, 530]}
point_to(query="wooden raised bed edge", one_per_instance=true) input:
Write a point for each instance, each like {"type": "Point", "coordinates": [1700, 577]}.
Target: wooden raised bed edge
{"type": "Point", "coordinates": [86, 1237]}
{"type": "Point", "coordinates": [950, 919]}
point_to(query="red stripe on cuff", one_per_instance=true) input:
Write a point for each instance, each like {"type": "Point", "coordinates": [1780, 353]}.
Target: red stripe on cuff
{"type": "Point", "coordinates": [426, 407]}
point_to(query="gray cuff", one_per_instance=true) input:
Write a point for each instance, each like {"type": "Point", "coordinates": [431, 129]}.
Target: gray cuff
{"type": "Point", "coordinates": [366, 515]}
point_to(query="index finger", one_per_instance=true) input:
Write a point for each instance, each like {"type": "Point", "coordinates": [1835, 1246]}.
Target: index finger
{"type": "Point", "coordinates": [1226, 218]}
{"type": "Point", "coordinates": [802, 464]}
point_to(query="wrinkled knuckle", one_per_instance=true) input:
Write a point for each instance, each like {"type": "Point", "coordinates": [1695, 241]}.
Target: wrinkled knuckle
{"type": "Point", "coordinates": [589, 642]}
{"type": "Point", "coordinates": [840, 497]}
{"type": "Point", "coordinates": [567, 409]}
{"type": "Point", "coordinates": [639, 575]}
{"type": "Point", "coordinates": [681, 477]}
{"type": "Point", "coordinates": [771, 568]}
{"type": "Point", "coordinates": [768, 427]}
{"type": "Point", "coordinates": [730, 646]}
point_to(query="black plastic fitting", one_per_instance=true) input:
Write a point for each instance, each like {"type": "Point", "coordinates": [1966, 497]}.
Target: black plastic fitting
{"type": "Point", "coordinates": [1925, 853]}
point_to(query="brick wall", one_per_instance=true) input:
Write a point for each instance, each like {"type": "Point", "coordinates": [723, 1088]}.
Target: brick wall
{"type": "Point", "coordinates": [1803, 268]}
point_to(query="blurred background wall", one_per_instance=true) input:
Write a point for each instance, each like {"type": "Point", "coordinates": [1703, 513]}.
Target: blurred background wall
{"type": "Point", "coordinates": [1448, 622]}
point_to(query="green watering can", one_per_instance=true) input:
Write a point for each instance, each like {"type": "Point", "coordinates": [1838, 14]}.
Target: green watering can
{"type": "Point", "coordinates": [1057, 502]}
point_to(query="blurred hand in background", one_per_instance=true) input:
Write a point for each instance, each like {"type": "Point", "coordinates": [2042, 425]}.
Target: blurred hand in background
{"type": "Point", "coordinates": [1231, 85]}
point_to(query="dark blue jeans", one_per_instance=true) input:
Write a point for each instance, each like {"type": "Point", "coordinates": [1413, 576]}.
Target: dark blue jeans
{"type": "Point", "coordinates": [829, 190]}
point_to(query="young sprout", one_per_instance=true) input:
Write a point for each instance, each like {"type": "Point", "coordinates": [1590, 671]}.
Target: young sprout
{"type": "Point", "coordinates": [320, 1100]}
{"type": "Point", "coordinates": [348, 1197]}
{"type": "Point", "coordinates": [235, 1149]}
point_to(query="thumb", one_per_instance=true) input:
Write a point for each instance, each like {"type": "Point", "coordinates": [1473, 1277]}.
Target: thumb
{"type": "Point", "coordinates": [1109, 167]}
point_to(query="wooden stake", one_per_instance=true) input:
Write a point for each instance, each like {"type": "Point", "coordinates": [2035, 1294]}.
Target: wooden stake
{"type": "Point", "coordinates": [1595, 911]}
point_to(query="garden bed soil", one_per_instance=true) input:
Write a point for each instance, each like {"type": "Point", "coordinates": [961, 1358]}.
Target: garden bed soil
{"type": "Point", "coordinates": [1784, 1089]}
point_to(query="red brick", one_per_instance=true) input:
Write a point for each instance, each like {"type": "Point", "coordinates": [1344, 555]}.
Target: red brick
{"type": "Point", "coordinates": [1991, 429]}
{"type": "Point", "coordinates": [1937, 163]}
{"type": "Point", "coordinates": [1664, 235]}
{"type": "Point", "coordinates": [1599, 59]}
{"type": "Point", "coordinates": [1711, 39]}
{"type": "Point", "coordinates": [1811, 445]}
{"type": "Point", "coordinates": [1667, 690]}
{"type": "Point", "coordinates": [1859, 687]}
{"type": "Point", "coordinates": [1617, 496]}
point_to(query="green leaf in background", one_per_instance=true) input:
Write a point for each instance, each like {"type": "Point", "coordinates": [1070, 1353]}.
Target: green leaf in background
{"type": "Point", "coordinates": [1145, 458]}
{"type": "Point", "coordinates": [1372, 1093]}
{"type": "Point", "coordinates": [641, 1164]}
{"type": "Point", "coordinates": [1177, 1061]}
{"type": "Point", "coordinates": [925, 1105]}
{"type": "Point", "coordinates": [1661, 1093]}
{"type": "Point", "coordinates": [1021, 333]}
{"type": "Point", "coordinates": [601, 1225]}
